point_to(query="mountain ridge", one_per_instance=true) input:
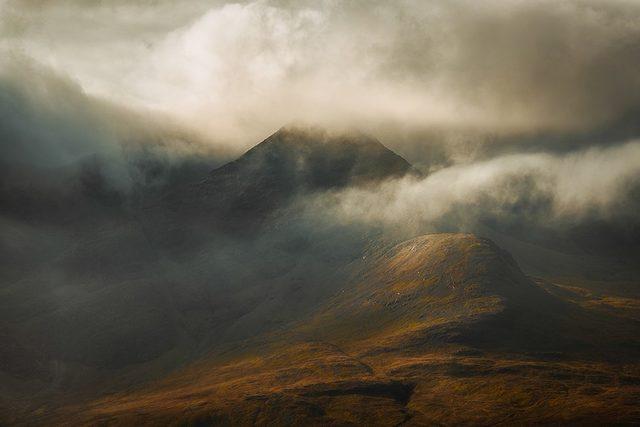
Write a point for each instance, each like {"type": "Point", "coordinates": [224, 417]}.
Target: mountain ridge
{"type": "Point", "coordinates": [293, 161]}
{"type": "Point", "coordinates": [310, 159]}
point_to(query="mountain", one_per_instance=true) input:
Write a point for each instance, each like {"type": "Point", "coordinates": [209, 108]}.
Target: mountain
{"type": "Point", "coordinates": [290, 162]}
{"type": "Point", "coordinates": [440, 329]}
{"type": "Point", "coordinates": [98, 295]}
{"type": "Point", "coordinates": [444, 288]}
{"type": "Point", "coordinates": [213, 301]}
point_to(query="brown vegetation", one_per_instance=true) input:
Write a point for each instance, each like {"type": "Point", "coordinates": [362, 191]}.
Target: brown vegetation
{"type": "Point", "coordinates": [442, 329]}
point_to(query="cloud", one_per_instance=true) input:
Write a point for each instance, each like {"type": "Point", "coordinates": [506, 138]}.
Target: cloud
{"type": "Point", "coordinates": [240, 70]}
{"type": "Point", "coordinates": [55, 139]}
{"type": "Point", "coordinates": [46, 121]}
{"type": "Point", "coordinates": [499, 101]}
{"type": "Point", "coordinates": [534, 190]}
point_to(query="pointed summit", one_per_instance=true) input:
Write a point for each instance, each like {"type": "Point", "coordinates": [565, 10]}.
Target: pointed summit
{"type": "Point", "coordinates": [312, 158]}
{"type": "Point", "coordinates": [294, 160]}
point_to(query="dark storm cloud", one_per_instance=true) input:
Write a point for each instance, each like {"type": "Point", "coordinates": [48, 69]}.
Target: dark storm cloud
{"type": "Point", "coordinates": [47, 120]}
{"type": "Point", "coordinates": [63, 151]}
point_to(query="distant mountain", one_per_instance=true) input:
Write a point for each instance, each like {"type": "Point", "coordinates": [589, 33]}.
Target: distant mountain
{"type": "Point", "coordinates": [290, 162]}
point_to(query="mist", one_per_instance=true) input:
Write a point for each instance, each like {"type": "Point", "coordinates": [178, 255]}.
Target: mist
{"type": "Point", "coordinates": [590, 183]}
{"type": "Point", "coordinates": [470, 94]}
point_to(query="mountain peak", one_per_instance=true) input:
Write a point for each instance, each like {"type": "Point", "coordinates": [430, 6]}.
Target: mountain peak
{"type": "Point", "coordinates": [298, 135]}
{"type": "Point", "coordinates": [312, 158]}
{"type": "Point", "coordinates": [294, 160]}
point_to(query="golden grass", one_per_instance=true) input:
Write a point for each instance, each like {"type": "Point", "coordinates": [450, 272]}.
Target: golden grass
{"type": "Point", "coordinates": [449, 389]}
{"type": "Point", "coordinates": [366, 359]}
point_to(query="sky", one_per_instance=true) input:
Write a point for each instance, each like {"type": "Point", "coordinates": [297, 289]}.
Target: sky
{"type": "Point", "coordinates": [501, 101]}
{"type": "Point", "coordinates": [238, 70]}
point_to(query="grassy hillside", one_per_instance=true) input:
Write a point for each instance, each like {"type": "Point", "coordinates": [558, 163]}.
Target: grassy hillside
{"type": "Point", "coordinates": [441, 329]}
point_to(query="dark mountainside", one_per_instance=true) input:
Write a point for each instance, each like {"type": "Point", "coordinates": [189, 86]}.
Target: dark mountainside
{"type": "Point", "coordinates": [292, 162]}
{"type": "Point", "coordinates": [98, 282]}
{"type": "Point", "coordinates": [200, 297]}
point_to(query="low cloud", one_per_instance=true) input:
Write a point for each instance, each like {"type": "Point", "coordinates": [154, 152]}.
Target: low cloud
{"type": "Point", "coordinates": [49, 127]}
{"type": "Point", "coordinates": [555, 191]}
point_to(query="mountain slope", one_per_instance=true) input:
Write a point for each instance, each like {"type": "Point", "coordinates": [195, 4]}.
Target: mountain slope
{"type": "Point", "coordinates": [290, 162]}
{"type": "Point", "coordinates": [272, 319]}
{"type": "Point", "coordinates": [427, 323]}
{"type": "Point", "coordinates": [453, 289]}
{"type": "Point", "coordinates": [98, 297]}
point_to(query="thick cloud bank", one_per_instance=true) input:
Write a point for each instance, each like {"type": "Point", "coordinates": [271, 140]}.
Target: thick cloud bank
{"type": "Point", "coordinates": [596, 183]}
{"type": "Point", "coordinates": [239, 70]}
